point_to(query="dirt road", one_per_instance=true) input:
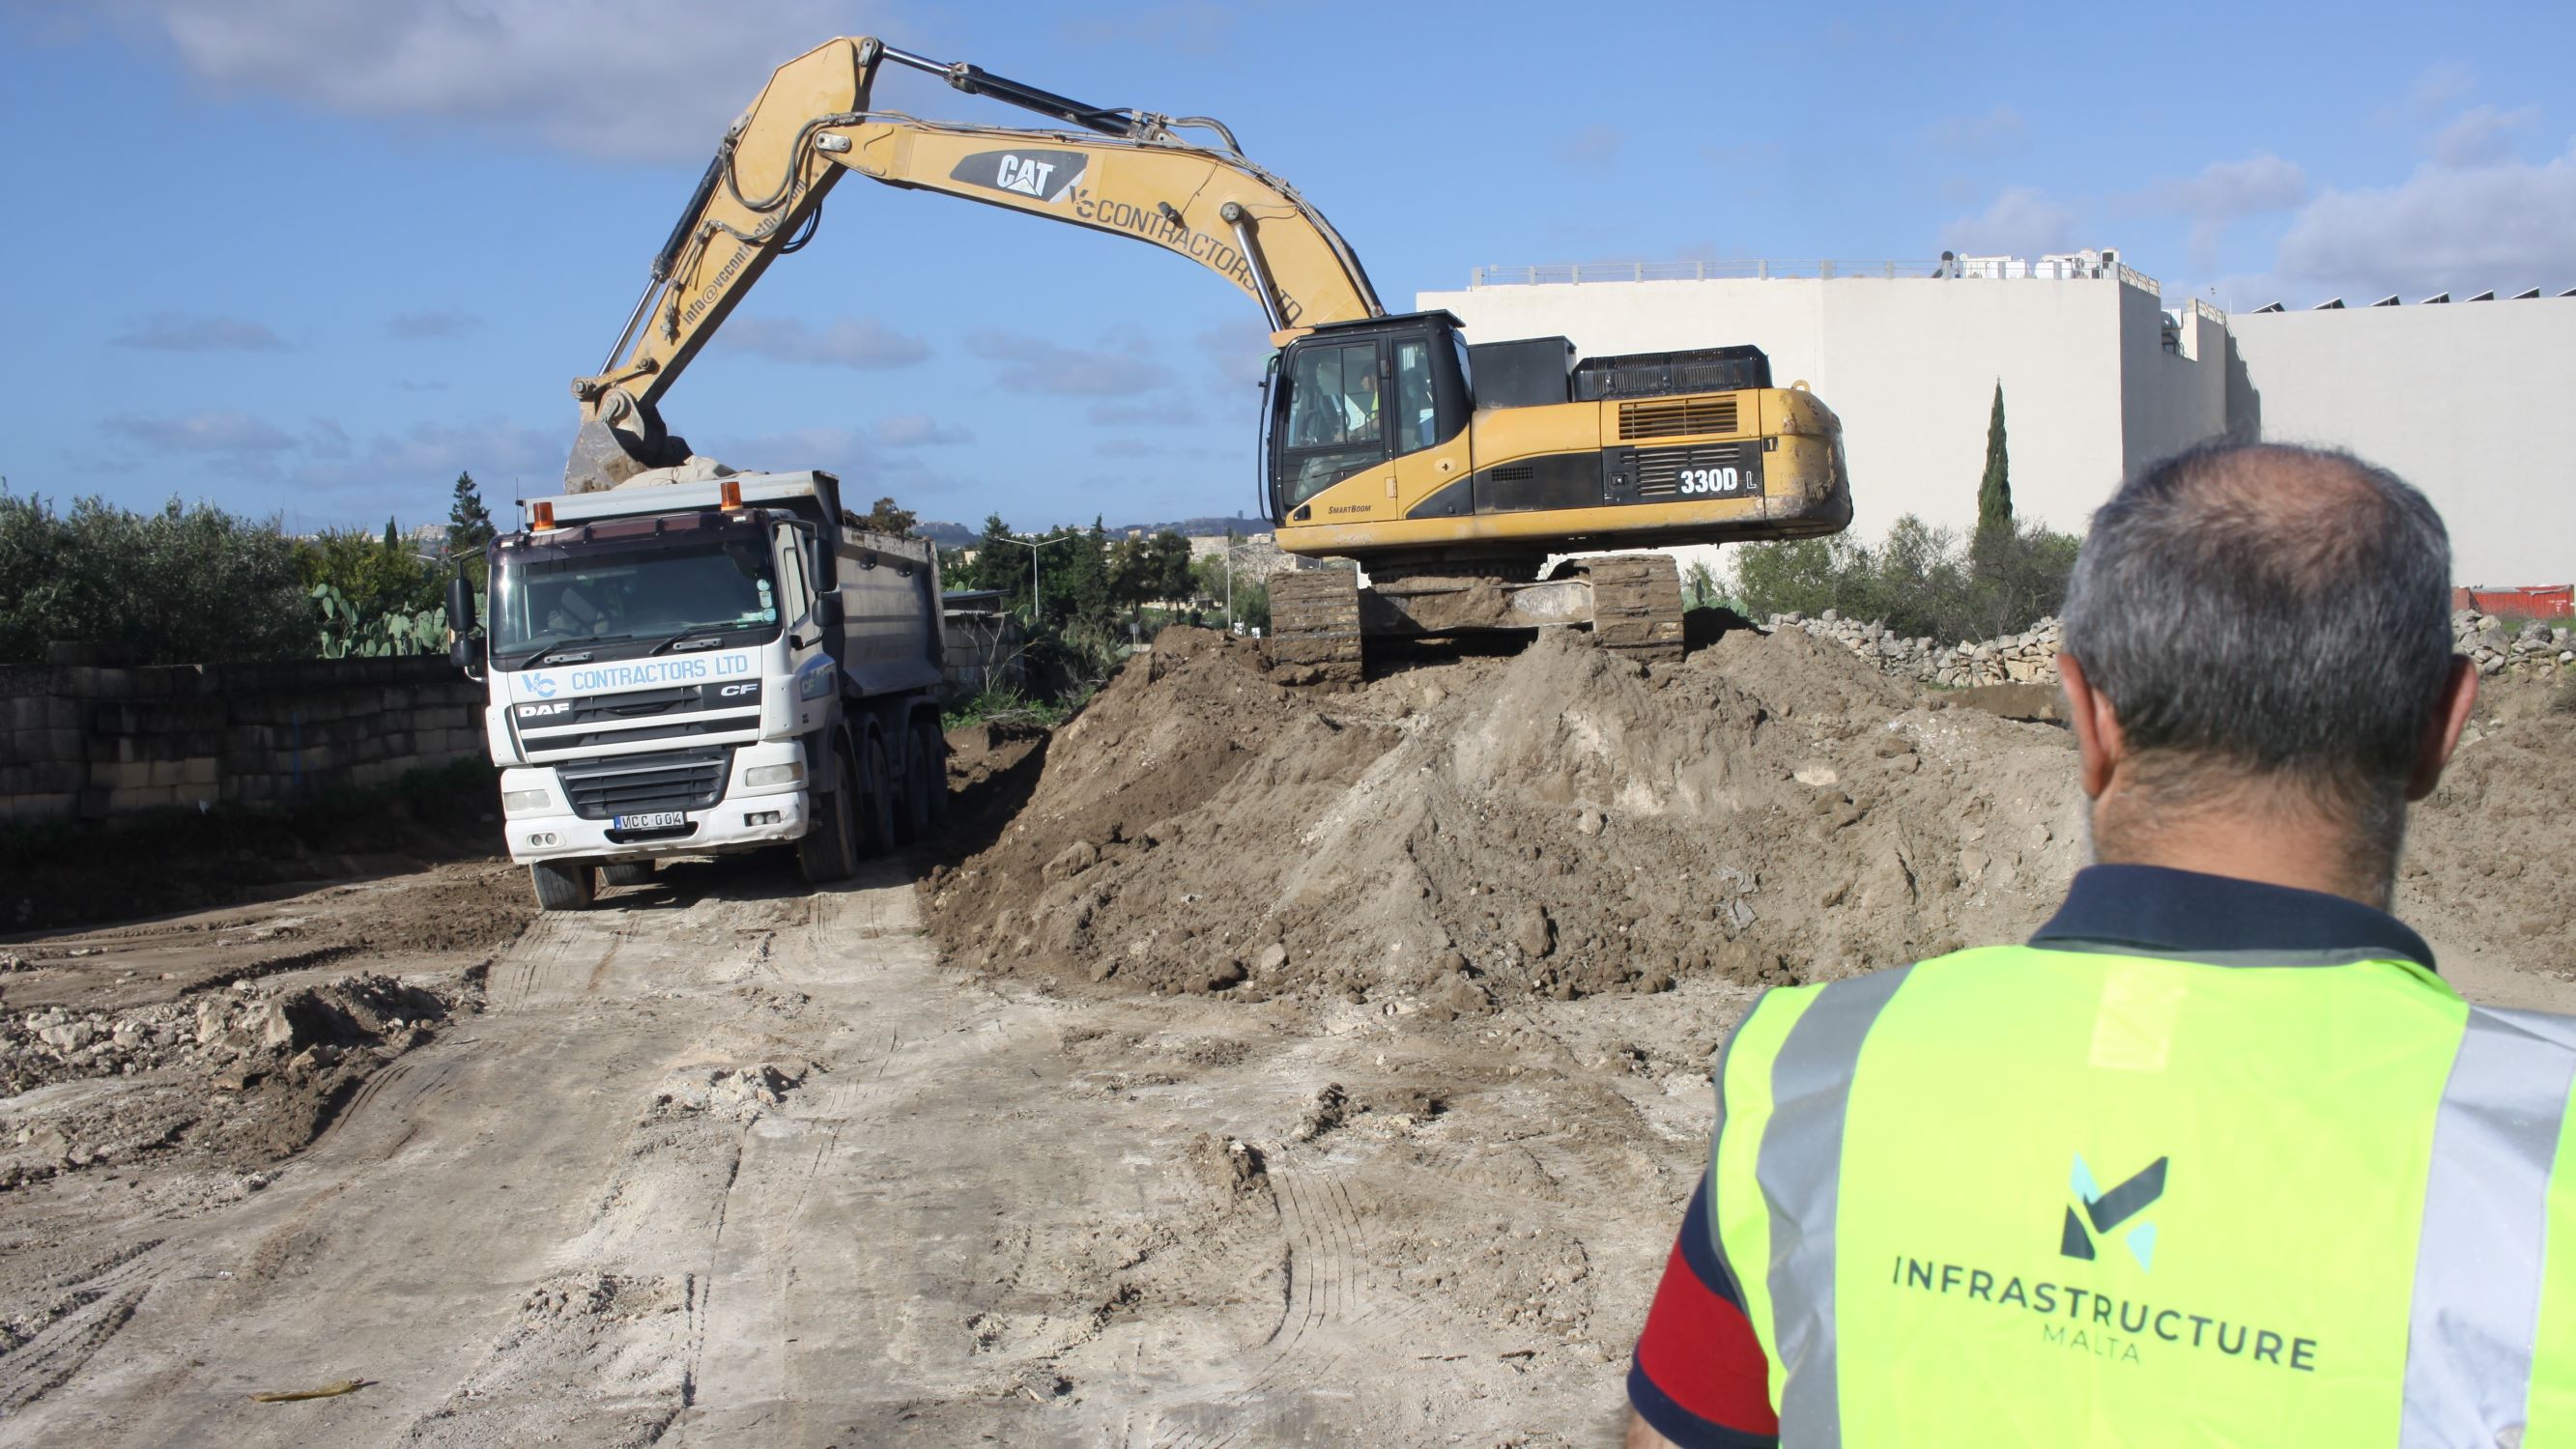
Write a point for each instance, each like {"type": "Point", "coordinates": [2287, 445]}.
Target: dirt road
{"type": "Point", "coordinates": [730, 1160]}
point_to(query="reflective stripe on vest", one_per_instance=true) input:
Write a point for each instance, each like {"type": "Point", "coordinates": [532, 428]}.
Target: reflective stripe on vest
{"type": "Point", "coordinates": [2478, 1264]}
{"type": "Point", "coordinates": [2479, 1260]}
{"type": "Point", "coordinates": [1800, 1172]}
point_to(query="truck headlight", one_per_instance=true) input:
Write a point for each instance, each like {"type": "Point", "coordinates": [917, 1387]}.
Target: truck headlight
{"type": "Point", "coordinates": [759, 776]}
{"type": "Point", "coordinates": [526, 802]}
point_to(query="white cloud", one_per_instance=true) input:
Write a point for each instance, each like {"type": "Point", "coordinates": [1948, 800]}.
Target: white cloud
{"type": "Point", "coordinates": [2021, 221]}
{"type": "Point", "coordinates": [435, 323]}
{"type": "Point", "coordinates": [2442, 85]}
{"type": "Point", "coordinates": [422, 461]}
{"type": "Point", "coordinates": [1033, 364]}
{"type": "Point", "coordinates": [2510, 224]}
{"type": "Point", "coordinates": [854, 342]}
{"type": "Point", "coordinates": [326, 471]}
{"type": "Point", "coordinates": [1591, 146]}
{"type": "Point", "coordinates": [193, 332]}
{"type": "Point", "coordinates": [1199, 28]}
{"type": "Point", "coordinates": [652, 80]}
{"type": "Point", "coordinates": [1995, 130]}
{"type": "Point", "coordinates": [2226, 191]}
{"type": "Point", "coordinates": [919, 430]}
{"type": "Point", "coordinates": [2479, 136]}
{"type": "Point", "coordinates": [224, 433]}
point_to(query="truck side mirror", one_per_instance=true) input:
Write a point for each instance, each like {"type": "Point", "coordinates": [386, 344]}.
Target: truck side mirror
{"type": "Point", "coordinates": [461, 650]}
{"type": "Point", "coordinates": [827, 610]}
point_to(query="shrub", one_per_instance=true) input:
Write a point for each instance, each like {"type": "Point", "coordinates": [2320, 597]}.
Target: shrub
{"type": "Point", "coordinates": [1919, 581]}
{"type": "Point", "coordinates": [183, 585]}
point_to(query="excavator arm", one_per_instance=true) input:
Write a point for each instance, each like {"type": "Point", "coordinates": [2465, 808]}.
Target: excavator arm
{"type": "Point", "coordinates": [1132, 173]}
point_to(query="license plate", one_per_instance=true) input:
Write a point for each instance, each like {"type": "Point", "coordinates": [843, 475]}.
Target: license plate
{"type": "Point", "coordinates": [652, 820]}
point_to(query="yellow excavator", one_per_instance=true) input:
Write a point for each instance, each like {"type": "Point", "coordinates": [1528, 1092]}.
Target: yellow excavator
{"type": "Point", "coordinates": [1451, 473]}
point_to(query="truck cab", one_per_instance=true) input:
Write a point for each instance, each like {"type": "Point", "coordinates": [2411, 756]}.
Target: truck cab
{"type": "Point", "coordinates": [709, 665]}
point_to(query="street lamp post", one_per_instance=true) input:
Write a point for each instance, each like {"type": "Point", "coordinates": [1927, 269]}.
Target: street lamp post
{"type": "Point", "coordinates": [1037, 606]}
{"type": "Point", "coordinates": [1230, 550]}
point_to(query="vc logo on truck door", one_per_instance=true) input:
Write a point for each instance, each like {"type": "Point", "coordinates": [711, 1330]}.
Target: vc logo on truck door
{"type": "Point", "coordinates": [1045, 175]}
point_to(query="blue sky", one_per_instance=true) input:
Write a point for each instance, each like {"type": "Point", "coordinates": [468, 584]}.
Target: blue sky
{"type": "Point", "coordinates": [312, 257]}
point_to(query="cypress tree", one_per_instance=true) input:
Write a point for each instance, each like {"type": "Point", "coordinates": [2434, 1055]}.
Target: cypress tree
{"type": "Point", "coordinates": [1994, 492]}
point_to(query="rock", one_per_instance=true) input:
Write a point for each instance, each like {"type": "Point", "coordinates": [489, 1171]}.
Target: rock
{"type": "Point", "coordinates": [1073, 860]}
{"type": "Point", "coordinates": [1224, 974]}
{"type": "Point", "coordinates": [1270, 958]}
{"type": "Point", "coordinates": [68, 1037]}
{"type": "Point", "coordinates": [1531, 931]}
{"type": "Point", "coordinates": [1816, 774]}
{"type": "Point", "coordinates": [1589, 821]}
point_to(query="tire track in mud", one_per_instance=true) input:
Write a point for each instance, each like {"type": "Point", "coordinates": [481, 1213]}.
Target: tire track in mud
{"type": "Point", "coordinates": [1330, 1315]}
{"type": "Point", "coordinates": [83, 1312]}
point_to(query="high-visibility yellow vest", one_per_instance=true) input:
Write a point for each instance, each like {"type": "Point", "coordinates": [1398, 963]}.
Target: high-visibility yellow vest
{"type": "Point", "coordinates": [2033, 1196]}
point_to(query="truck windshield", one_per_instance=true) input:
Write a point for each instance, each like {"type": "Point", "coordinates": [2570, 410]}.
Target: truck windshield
{"type": "Point", "coordinates": [642, 594]}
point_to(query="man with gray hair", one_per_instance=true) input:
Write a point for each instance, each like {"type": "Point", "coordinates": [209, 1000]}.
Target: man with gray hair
{"type": "Point", "coordinates": [2216, 1157]}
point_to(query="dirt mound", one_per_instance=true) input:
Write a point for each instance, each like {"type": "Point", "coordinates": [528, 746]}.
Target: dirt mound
{"type": "Point", "coordinates": [2487, 857]}
{"type": "Point", "coordinates": [1561, 822]}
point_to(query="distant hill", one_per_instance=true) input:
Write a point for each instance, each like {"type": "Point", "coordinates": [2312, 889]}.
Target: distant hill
{"type": "Point", "coordinates": [958, 535]}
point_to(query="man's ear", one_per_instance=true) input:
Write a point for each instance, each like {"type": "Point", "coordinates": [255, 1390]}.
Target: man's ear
{"type": "Point", "coordinates": [2442, 734]}
{"type": "Point", "coordinates": [2098, 739]}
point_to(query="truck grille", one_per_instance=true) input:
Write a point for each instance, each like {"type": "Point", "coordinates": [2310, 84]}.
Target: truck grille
{"type": "Point", "coordinates": [1714, 470]}
{"type": "Point", "coordinates": [629, 784]}
{"type": "Point", "coordinates": [1675, 417]}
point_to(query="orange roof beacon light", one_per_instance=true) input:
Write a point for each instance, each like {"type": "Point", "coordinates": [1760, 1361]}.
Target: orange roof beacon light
{"type": "Point", "coordinates": [729, 493]}
{"type": "Point", "coordinates": [542, 513]}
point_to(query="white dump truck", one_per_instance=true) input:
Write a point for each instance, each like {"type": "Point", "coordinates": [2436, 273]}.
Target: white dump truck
{"type": "Point", "coordinates": [693, 663]}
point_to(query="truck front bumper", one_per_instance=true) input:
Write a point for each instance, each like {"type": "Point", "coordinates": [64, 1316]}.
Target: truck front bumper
{"type": "Point", "coordinates": [746, 818]}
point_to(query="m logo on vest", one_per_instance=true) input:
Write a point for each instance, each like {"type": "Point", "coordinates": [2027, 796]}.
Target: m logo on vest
{"type": "Point", "coordinates": [2105, 1211]}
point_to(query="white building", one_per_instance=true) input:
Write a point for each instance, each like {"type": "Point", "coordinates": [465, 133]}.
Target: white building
{"type": "Point", "coordinates": [2467, 400]}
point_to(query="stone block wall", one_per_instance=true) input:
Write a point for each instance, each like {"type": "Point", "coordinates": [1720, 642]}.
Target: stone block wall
{"type": "Point", "coordinates": [2536, 651]}
{"type": "Point", "coordinates": [83, 743]}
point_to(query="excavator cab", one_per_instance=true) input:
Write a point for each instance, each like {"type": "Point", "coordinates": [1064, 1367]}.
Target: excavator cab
{"type": "Point", "coordinates": [1351, 396]}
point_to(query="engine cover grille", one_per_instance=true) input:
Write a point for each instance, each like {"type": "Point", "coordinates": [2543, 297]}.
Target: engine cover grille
{"type": "Point", "coordinates": [1676, 417]}
{"type": "Point", "coordinates": [631, 784]}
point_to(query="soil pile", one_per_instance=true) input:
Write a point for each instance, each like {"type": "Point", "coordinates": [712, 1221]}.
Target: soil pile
{"type": "Point", "coordinates": [1565, 822]}
{"type": "Point", "coordinates": [1558, 823]}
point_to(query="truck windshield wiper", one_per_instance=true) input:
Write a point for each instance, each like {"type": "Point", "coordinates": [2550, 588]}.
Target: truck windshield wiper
{"type": "Point", "coordinates": [702, 631]}
{"type": "Point", "coordinates": [531, 661]}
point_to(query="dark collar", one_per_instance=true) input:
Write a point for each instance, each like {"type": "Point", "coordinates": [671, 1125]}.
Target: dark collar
{"type": "Point", "coordinates": [2151, 910]}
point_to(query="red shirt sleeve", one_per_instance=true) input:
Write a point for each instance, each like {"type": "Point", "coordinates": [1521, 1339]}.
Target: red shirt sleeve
{"type": "Point", "coordinates": [1700, 1377]}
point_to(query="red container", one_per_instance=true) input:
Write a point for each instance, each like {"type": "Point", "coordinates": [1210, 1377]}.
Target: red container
{"type": "Point", "coordinates": [2532, 601]}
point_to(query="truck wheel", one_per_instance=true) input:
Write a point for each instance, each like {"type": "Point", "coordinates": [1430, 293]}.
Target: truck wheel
{"type": "Point", "coordinates": [876, 802]}
{"type": "Point", "coordinates": [912, 801]}
{"type": "Point", "coordinates": [827, 851]}
{"type": "Point", "coordinates": [627, 872]}
{"type": "Point", "coordinates": [564, 885]}
{"type": "Point", "coordinates": [930, 757]}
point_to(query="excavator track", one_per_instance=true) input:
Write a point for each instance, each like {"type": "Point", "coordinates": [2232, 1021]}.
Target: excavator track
{"type": "Point", "coordinates": [1637, 605]}
{"type": "Point", "coordinates": [1315, 624]}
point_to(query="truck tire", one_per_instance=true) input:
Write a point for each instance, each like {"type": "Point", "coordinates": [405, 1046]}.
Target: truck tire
{"type": "Point", "coordinates": [564, 885]}
{"type": "Point", "coordinates": [912, 801]}
{"type": "Point", "coordinates": [930, 757]}
{"type": "Point", "coordinates": [627, 872]}
{"type": "Point", "coordinates": [828, 851]}
{"type": "Point", "coordinates": [876, 801]}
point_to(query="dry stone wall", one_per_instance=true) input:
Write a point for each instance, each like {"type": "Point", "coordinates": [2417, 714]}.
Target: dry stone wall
{"type": "Point", "coordinates": [79, 742]}
{"type": "Point", "coordinates": [2536, 650]}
